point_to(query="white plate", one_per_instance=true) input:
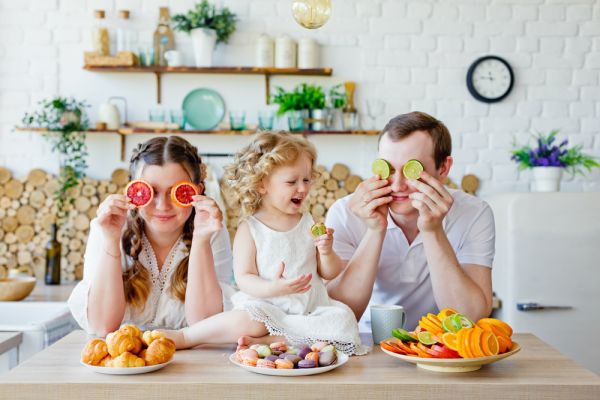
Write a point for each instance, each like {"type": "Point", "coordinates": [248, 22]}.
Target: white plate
{"type": "Point", "coordinates": [126, 371]}
{"type": "Point", "coordinates": [454, 364]}
{"type": "Point", "coordinates": [342, 359]}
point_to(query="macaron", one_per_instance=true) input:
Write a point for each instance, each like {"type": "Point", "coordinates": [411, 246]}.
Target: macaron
{"type": "Point", "coordinates": [284, 364]}
{"type": "Point", "coordinates": [263, 350]}
{"type": "Point", "coordinates": [264, 363]}
{"type": "Point", "coordinates": [292, 350]}
{"type": "Point", "coordinates": [327, 348]}
{"type": "Point", "coordinates": [293, 358]}
{"type": "Point", "coordinates": [304, 351]}
{"type": "Point", "coordinates": [327, 358]}
{"type": "Point", "coordinates": [307, 364]}
{"type": "Point", "coordinates": [250, 361]}
{"type": "Point", "coordinates": [272, 357]}
{"type": "Point", "coordinates": [317, 346]}
{"type": "Point", "coordinates": [279, 346]}
{"type": "Point", "coordinates": [248, 353]}
{"type": "Point", "coordinates": [312, 356]}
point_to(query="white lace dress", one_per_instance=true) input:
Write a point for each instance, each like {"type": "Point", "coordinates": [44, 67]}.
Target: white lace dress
{"type": "Point", "coordinates": [301, 318]}
{"type": "Point", "coordinates": [162, 310]}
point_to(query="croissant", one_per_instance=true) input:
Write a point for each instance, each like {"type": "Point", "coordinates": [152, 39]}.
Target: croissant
{"type": "Point", "coordinates": [119, 342]}
{"type": "Point", "coordinates": [94, 351]}
{"type": "Point", "coordinates": [150, 336]}
{"type": "Point", "coordinates": [131, 329]}
{"type": "Point", "coordinates": [106, 361]}
{"type": "Point", "coordinates": [160, 351]}
{"type": "Point", "coordinates": [127, 360]}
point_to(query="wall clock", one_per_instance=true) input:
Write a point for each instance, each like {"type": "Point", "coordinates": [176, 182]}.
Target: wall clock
{"type": "Point", "coordinates": [490, 79]}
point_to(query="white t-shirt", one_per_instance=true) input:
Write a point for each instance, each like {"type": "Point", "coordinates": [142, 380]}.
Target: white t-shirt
{"type": "Point", "coordinates": [162, 310]}
{"type": "Point", "coordinates": [403, 275]}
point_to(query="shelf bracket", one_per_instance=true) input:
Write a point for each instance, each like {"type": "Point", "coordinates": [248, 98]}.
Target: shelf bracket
{"type": "Point", "coordinates": [157, 74]}
{"type": "Point", "coordinates": [268, 87]}
{"type": "Point", "coordinates": [122, 140]}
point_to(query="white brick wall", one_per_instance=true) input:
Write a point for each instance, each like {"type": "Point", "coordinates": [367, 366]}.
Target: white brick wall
{"type": "Point", "coordinates": [412, 53]}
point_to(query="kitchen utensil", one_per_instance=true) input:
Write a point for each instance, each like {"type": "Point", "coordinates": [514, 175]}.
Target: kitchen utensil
{"type": "Point", "coordinates": [203, 108]}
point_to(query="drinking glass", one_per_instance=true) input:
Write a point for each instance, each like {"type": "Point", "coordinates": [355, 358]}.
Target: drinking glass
{"type": "Point", "coordinates": [237, 120]}
{"type": "Point", "coordinates": [375, 108]}
{"type": "Point", "coordinates": [156, 115]}
{"type": "Point", "coordinates": [178, 118]}
{"type": "Point", "coordinates": [265, 120]}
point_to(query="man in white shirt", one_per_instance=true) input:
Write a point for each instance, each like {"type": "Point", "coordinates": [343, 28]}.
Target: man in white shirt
{"type": "Point", "coordinates": [413, 243]}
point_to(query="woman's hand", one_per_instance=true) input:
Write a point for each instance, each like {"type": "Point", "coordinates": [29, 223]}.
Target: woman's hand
{"type": "Point", "coordinates": [112, 216]}
{"type": "Point", "coordinates": [284, 287]}
{"type": "Point", "coordinates": [324, 243]}
{"type": "Point", "coordinates": [208, 219]}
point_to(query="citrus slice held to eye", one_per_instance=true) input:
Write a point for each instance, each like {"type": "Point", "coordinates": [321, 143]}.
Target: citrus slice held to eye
{"type": "Point", "coordinates": [318, 229]}
{"type": "Point", "coordinates": [140, 192]}
{"type": "Point", "coordinates": [382, 168]}
{"type": "Point", "coordinates": [182, 192]}
{"type": "Point", "coordinates": [412, 169]}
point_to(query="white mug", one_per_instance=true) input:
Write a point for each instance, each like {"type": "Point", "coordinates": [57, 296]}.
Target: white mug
{"type": "Point", "coordinates": [384, 318]}
{"type": "Point", "coordinates": [173, 58]}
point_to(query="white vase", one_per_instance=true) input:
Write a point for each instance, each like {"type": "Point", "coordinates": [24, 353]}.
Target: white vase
{"type": "Point", "coordinates": [203, 41]}
{"type": "Point", "coordinates": [546, 179]}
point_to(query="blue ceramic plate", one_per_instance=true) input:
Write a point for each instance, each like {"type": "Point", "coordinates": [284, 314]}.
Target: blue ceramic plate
{"type": "Point", "coordinates": [203, 108]}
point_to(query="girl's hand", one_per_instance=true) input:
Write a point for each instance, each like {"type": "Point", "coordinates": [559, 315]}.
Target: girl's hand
{"type": "Point", "coordinates": [208, 219]}
{"type": "Point", "coordinates": [324, 243]}
{"type": "Point", "coordinates": [112, 215]}
{"type": "Point", "coordinates": [283, 287]}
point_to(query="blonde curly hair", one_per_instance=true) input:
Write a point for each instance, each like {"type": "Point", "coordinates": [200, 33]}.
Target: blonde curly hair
{"type": "Point", "coordinates": [258, 159]}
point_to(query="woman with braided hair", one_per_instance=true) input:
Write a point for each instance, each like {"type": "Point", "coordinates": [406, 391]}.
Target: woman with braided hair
{"type": "Point", "coordinates": [160, 266]}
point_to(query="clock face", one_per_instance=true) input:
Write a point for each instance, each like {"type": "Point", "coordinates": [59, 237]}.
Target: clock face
{"type": "Point", "coordinates": [490, 79]}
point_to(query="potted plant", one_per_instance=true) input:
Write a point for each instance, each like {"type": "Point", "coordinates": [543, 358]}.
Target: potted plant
{"type": "Point", "coordinates": [207, 27]}
{"type": "Point", "coordinates": [548, 160]}
{"type": "Point", "coordinates": [305, 106]}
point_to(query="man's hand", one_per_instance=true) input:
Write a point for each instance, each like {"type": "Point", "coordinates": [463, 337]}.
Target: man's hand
{"type": "Point", "coordinates": [432, 200]}
{"type": "Point", "coordinates": [370, 202]}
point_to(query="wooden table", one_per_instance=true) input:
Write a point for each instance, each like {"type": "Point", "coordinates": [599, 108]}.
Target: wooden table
{"type": "Point", "coordinates": [538, 371]}
{"type": "Point", "coordinates": [43, 292]}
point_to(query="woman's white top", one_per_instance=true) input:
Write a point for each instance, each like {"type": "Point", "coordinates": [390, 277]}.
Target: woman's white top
{"type": "Point", "coordinates": [302, 318]}
{"type": "Point", "coordinates": [162, 310]}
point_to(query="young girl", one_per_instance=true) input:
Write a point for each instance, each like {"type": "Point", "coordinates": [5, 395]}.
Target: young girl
{"type": "Point", "coordinates": [278, 266]}
{"type": "Point", "coordinates": [160, 265]}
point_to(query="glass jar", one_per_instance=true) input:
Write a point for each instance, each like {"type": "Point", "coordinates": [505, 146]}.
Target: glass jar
{"type": "Point", "coordinates": [100, 37]}
{"type": "Point", "coordinates": [124, 33]}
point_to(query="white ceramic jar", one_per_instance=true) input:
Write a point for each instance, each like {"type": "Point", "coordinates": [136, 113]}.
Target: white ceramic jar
{"type": "Point", "coordinates": [265, 51]}
{"type": "Point", "coordinates": [308, 53]}
{"type": "Point", "coordinates": [285, 52]}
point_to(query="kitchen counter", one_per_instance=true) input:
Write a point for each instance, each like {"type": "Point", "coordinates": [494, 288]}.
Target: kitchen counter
{"type": "Point", "coordinates": [537, 371]}
{"type": "Point", "coordinates": [9, 341]}
{"type": "Point", "coordinates": [43, 292]}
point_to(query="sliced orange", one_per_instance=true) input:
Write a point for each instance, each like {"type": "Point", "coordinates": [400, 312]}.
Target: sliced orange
{"type": "Point", "coordinates": [504, 344]}
{"type": "Point", "coordinates": [446, 312]}
{"type": "Point", "coordinates": [490, 344]}
{"type": "Point", "coordinates": [467, 342]}
{"type": "Point", "coordinates": [460, 343]}
{"type": "Point", "coordinates": [430, 326]}
{"type": "Point", "coordinates": [434, 319]}
{"type": "Point", "coordinates": [501, 327]}
{"type": "Point", "coordinates": [182, 192]}
{"type": "Point", "coordinates": [449, 340]}
{"type": "Point", "coordinates": [475, 342]}
{"type": "Point", "coordinates": [405, 347]}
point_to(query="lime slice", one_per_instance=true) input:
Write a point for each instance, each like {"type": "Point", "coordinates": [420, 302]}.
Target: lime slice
{"type": "Point", "coordinates": [403, 335]}
{"type": "Point", "coordinates": [426, 338]}
{"type": "Point", "coordinates": [412, 169]}
{"type": "Point", "coordinates": [450, 324]}
{"type": "Point", "coordinates": [318, 229]}
{"type": "Point", "coordinates": [464, 320]}
{"type": "Point", "coordinates": [382, 168]}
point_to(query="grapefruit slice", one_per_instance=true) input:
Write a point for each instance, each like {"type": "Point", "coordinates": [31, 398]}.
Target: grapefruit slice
{"type": "Point", "coordinates": [182, 192]}
{"type": "Point", "coordinates": [140, 192]}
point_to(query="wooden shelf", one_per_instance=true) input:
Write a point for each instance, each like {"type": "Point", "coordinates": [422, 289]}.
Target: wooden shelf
{"type": "Point", "coordinates": [126, 131]}
{"type": "Point", "coordinates": [267, 72]}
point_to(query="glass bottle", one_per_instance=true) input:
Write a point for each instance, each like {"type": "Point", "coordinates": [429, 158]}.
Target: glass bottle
{"type": "Point", "coordinates": [163, 37]}
{"type": "Point", "coordinates": [350, 115]}
{"type": "Point", "coordinates": [53, 255]}
{"type": "Point", "coordinates": [100, 37]}
{"type": "Point", "coordinates": [124, 34]}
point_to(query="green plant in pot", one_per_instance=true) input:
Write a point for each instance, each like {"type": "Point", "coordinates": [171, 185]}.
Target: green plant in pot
{"type": "Point", "coordinates": [207, 26]}
{"type": "Point", "coordinates": [65, 124]}
{"type": "Point", "coordinates": [305, 106]}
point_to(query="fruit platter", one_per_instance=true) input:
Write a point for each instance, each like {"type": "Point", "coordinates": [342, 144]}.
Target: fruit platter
{"type": "Point", "coordinates": [279, 359]}
{"type": "Point", "coordinates": [451, 342]}
{"type": "Point", "coordinates": [128, 351]}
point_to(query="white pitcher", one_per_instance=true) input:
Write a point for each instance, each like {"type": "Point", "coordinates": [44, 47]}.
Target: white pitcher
{"type": "Point", "coordinates": [109, 113]}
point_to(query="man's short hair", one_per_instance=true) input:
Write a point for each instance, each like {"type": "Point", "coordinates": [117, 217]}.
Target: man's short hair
{"type": "Point", "coordinates": [405, 124]}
